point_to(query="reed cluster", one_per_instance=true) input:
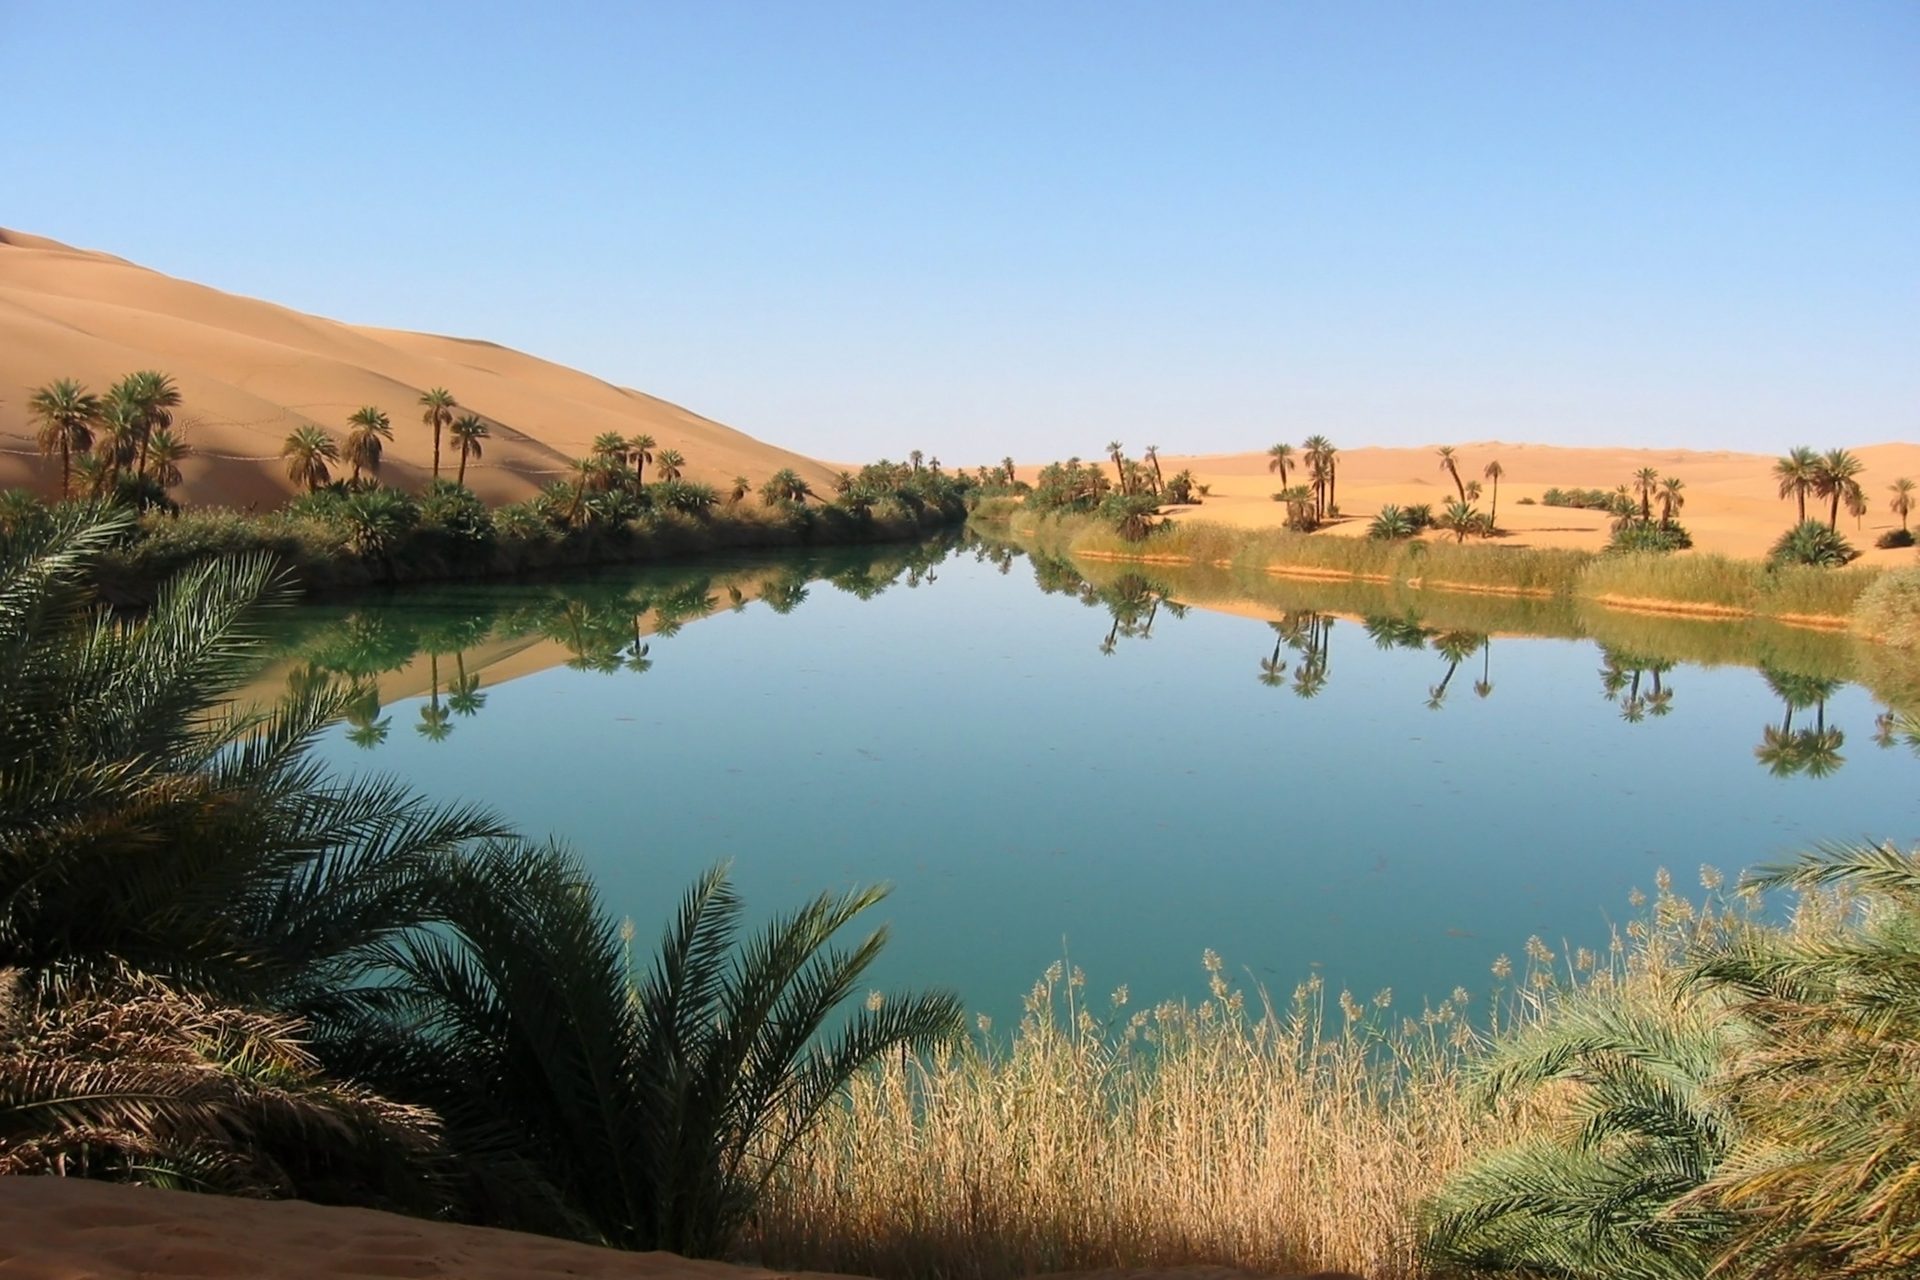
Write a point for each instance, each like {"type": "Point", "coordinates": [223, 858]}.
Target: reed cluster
{"type": "Point", "coordinates": [1709, 584]}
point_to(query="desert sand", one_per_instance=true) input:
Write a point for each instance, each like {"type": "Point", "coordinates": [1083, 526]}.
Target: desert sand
{"type": "Point", "coordinates": [67, 1229]}
{"type": "Point", "coordinates": [250, 372]}
{"type": "Point", "coordinates": [1732, 507]}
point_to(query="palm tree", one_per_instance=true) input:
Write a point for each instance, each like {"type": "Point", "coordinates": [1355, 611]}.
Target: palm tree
{"type": "Point", "coordinates": [1493, 473]}
{"type": "Point", "coordinates": [916, 458]}
{"type": "Point", "coordinates": [117, 439]}
{"type": "Point", "coordinates": [185, 895]}
{"type": "Point", "coordinates": [1114, 451]}
{"type": "Point", "coordinates": [586, 471]}
{"type": "Point", "coordinates": [155, 397]}
{"type": "Point", "coordinates": [1902, 504]}
{"type": "Point", "coordinates": [1152, 456]}
{"type": "Point", "coordinates": [1646, 480]}
{"type": "Point", "coordinates": [668, 464]}
{"type": "Point", "coordinates": [368, 432]}
{"type": "Point", "coordinates": [1857, 505]}
{"type": "Point", "coordinates": [307, 452]}
{"type": "Point", "coordinates": [438, 405]}
{"type": "Point", "coordinates": [165, 453]}
{"type": "Point", "coordinates": [1278, 458]}
{"type": "Point", "coordinates": [68, 413]}
{"type": "Point", "coordinates": [1006, 469]}
{"type": "Point", "coordinates": [1447, 465]}
{"type": "Point", "coordinates": [1319, 457]}
{"type": "Point", "coordinates": [640, 449]}
{"type": "Point", "coordinates": [1602, 1194]}
{"type": "Point", "coordinates": [1459, 519]}
{"type": "Point", "coordinates": [1671, 498]}
{"type": "Point", "coordinates": [785, 485]}
{"type": "Point", "coordinates": [741, 488]}
{"type": "Point", "coordinates": [1797, 473]}
{"type": "Point", "coordinates": [468, 431]}
{"type": "Point", "coordinates": [612, 449]}
{"type": "Point", "coordinates": [1837, 479]}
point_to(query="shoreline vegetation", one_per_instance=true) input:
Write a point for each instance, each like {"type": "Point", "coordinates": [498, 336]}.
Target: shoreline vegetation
{"type": "Point", "coordinates": [1647, 564]}
{"type": "Point", "coordinates": [124, 450]}
{"type": "Point", "coordinates": [1696, 585]}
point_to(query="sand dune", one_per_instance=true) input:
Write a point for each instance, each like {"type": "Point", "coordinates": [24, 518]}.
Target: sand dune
{"type": "Point", "coordinates": [1732, 500]}
{"type": "Point", "coordinates": [251, 371]}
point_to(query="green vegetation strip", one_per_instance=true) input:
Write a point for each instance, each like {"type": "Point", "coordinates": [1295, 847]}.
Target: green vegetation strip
{"type": "Point", "coordinates": [1695, 583]}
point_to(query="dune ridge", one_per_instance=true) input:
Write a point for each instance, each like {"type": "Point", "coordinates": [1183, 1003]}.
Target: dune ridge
{"type": "Point", "coordinates": [252, 371]}
{"type": "Point", "coordinates": [1733, 506]}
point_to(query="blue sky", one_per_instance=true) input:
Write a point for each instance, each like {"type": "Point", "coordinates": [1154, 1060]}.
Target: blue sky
{"type": "Point", "coordinates": [1030, 228]}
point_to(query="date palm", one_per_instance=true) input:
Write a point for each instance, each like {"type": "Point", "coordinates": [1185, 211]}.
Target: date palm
{"type": "Point", "coordinates": [1006, 470]}
{"type": "Point", "coordinates": [1152, 455]}
{"type": "Point", "coordinates": [611, 448]}
{"type": "Point", "coordinates": [1645, 481]}
{"type": "Point", "coordinates": [156, 397]}
{"type": "Point", "coordinates": [1115, 451]}
{"type": "Point", "coordinates": [67, 414]}
{"type": "Point", "coordinates": [116, 440]}
{"type": "Point", "coordinates": [1319, 458]}
{"type": "Point", "coordinates": [1279, 458]}
{"type": "Point", "coordinates": [175, 867]}
{"type": "Point", "coordinates": [1672, 498]}
{"type": "Point", "coordinates": [667, 464]}
{"type": "Point", "coordinates": [368, 433]}
{"type": "Point", "coordinates": [740, 489]}
{"type": "Point", "coordinates": [1797, 473]}
{"type": "Point", "coordinates": [640, 449]}
{"type": "Point", "coordinates": [308, 453]}
{"type": "Point", "coordinates": [165, 452]}
{"type": "Point", "coordinates": [1838, 480]}
{"type": "Point", "coordinates": [436, 411]}
{"type": "Point", "coordinates": [468, 433]}
{"type": "Point", "coordinates": [1902, 502]}
{"type": "Point", "coordinates": [1493, 472]}
{"type": "Point", "coordinates": [1450, 465]}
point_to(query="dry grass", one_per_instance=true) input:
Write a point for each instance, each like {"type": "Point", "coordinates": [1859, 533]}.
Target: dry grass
{"type": "Point", "coordinates": [1888, 611]}
{"type": "Point", "coordinates": [1222, 1133]}
{"type": "Point", "coordinates": [1738, 586]}
{"type": "Point", "coordinates": [1685, 582]}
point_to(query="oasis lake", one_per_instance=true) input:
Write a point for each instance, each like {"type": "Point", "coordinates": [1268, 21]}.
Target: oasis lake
{"type": "Point", "coordinates": [1389, 788]}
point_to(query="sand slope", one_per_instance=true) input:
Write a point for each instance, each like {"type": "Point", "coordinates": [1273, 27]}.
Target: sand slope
{"type": "Point", "coordinates": [251, 371]}
{"type": "Point", "coordinates": [66, 1229]}
{"type": "Point", "coordinates": [1732, 500]}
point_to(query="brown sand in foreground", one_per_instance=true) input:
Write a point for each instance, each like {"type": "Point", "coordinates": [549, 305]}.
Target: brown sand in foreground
{"type": "Point", "coordinates": [251, 371]}
{"type": "Point", "coordinates": [1732, 500]}
{"type": "Point", "coordinates": [67, 1229]}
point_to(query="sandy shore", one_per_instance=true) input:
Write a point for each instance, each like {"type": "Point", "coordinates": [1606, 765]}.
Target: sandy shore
{"type": "Point", "coordinates": [250, 372]}
{"type": "Point", "coordinates": [66, 1229]}
{"type": "Point", "coordinates": [1732, 500]}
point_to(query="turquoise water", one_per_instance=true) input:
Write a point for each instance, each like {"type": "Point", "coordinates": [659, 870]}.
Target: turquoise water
{"type": "Point", "coordinates": [1110, 777]}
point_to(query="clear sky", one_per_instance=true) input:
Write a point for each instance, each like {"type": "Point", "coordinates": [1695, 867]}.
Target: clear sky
{"type": "Point", "coordinates": [1033, 227]}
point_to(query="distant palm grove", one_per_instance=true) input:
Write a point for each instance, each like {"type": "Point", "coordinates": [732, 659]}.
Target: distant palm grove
{"type": "Point", "coordinates": [628, 497]}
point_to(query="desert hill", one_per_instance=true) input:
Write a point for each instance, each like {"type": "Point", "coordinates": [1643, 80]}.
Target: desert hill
{"type": "Point", "coordinates": [1733, 505]}
{"type": "Point", "coordinates": [251, 371]}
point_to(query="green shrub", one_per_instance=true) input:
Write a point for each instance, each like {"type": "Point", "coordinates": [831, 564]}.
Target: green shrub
{"type": "Point", "coordinates": [1812, 543]}
{"type": "Point", "coordinates": [1894, 539]}
{"type": "Point", "coordinates": [1641, 535]}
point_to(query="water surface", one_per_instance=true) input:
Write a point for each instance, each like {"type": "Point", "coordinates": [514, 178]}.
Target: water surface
{"type": "Point", "coordinates": [1392, 790]}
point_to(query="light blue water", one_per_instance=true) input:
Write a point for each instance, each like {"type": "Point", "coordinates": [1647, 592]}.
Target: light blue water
{"type": "Point", "coordinates": [1028, 793]}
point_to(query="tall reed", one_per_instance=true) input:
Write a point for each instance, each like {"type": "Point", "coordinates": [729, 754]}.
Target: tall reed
{"type": "Point", "coordinates": [1226, 1132]}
